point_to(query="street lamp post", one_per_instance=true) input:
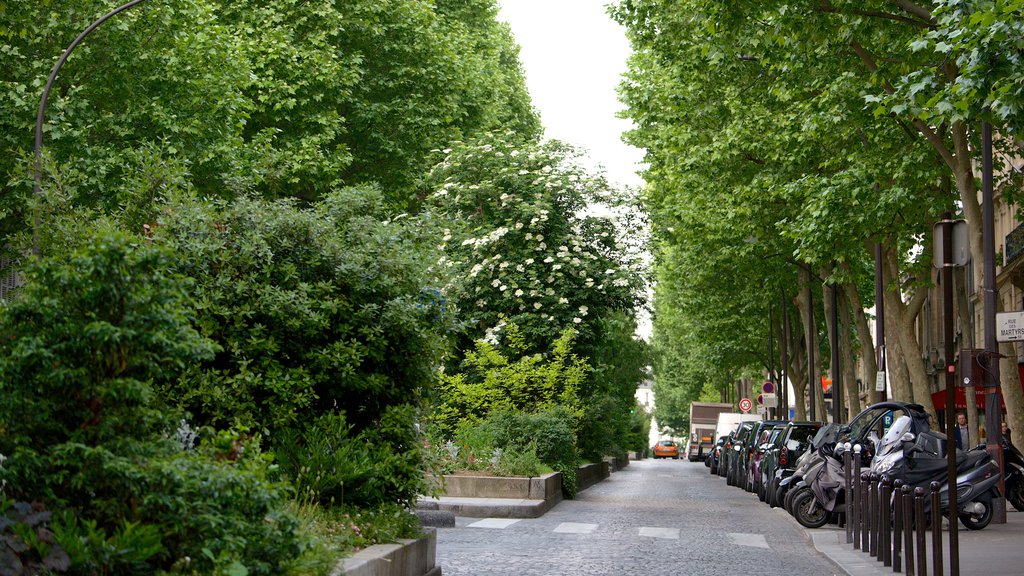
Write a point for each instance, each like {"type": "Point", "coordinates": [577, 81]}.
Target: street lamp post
{"type": "Point", "coordinates": [38, 170]}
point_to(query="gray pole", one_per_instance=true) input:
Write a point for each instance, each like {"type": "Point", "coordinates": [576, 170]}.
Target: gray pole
{"type": "Point", "coordinates": [837, 376]}
{"type": "Point", "coordinates": [947, 335]}
{"type": "Point", "coordinates": [812, 413]}
{"type": "Point", "coordinates": [879, 319]}
{"type": "Point", "coordinates": [38, 171]}
{"type": "Point", "coordinates": [993, 413]}
{"type": "Point", "coordinates": [784, 353]}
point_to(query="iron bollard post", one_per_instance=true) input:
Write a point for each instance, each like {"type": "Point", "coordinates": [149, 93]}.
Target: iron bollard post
{"type": "Point", "coordinates": [936, 530]}
{"type": "Point", "coordinates": [897, 525]}
{"type": "Point", "coordinates": [885, 511]}
{"type": "Point", "coordinates": [873, 516]}
{"type": "Point", "coordinates": [908, 529]}
{"type": "Point", "coordinates": [855, 504]}
{"type": "Point", "coordinates": [865, 483]}
{"type": "Point", "coordinates": [919, 526]}
{"type": "Point", "coordinates": [848, 487]}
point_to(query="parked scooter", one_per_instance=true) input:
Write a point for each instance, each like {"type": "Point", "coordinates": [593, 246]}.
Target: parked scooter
{"type": "Point", "coordinates": [920, 459]}
{"type": "Point", "coordinates": [821, 493]}
{"type": "Point", "coordinates": [864, 428]}
{"type": "Point", "coordinates": [1013, 462]}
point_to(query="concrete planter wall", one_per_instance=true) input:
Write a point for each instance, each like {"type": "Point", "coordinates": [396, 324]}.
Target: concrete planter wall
{"type": "Point", "coordinates": [407, 558]}
{"type": "Point", "coordinates": [536, 488]}
{"type": "Point", "coordinates": [590, 474]}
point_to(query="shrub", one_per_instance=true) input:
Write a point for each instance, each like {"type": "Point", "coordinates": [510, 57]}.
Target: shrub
{"type": "Point", "coordinates": [82, 347]}
{"type": "Point", "coordinates": [330, 464]}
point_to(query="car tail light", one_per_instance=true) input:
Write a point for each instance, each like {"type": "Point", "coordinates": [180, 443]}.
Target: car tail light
{"type": "Point", "coordinates": [784, 457]}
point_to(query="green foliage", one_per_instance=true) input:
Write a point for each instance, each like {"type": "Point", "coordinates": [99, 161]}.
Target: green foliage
{"type": "Point", "coordinates": [316, 310]}
{"type": "Point", "coordinates": [491, 383]}
{"type": "Point", "coordinates": [347, 93]}
{"type": "Point", "coordinates": [523, 250]}
{"type": "Point", "coordinates": [82, 345]}
{"type": "Point", "coordinates": [86, 342]}
{"type": "Point", "coordinates": [330, 464]}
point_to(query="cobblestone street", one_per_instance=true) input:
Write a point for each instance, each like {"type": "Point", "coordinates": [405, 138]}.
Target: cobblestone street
{"type": "Point", "coordinates": [666, 517]}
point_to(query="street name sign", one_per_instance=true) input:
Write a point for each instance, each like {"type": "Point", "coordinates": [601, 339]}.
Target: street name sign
{"type": "Point", "coordinates": [1010, 326]}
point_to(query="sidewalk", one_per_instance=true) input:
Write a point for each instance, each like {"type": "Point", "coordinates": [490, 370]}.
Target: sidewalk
{"type": "Point", "coordinates": [996, 550]}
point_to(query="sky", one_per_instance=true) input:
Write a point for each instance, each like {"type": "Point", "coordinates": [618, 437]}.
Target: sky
{"type": "Point", "coordinates": [573, 54]}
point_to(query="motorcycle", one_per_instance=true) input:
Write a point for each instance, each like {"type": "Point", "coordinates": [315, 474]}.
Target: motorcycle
{"type": "Point", "coordinates": [920, 459]}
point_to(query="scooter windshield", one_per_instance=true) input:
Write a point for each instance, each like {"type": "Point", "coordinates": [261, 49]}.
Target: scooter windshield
{"type": "Point", "coordinates": [893, 439]}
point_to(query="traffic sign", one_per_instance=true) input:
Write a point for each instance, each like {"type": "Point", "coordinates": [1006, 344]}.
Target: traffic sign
{"type": "Point", "coordinates": [760, 398]}
{"type": "Point", "coordinates": [768, 388]}
{"type": "Point", "coordinates": [771, 400]}
{"type": "Point", "coordinates": [746, 404]}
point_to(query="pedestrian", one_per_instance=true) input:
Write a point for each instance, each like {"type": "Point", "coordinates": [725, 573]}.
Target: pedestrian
{"type": "Point", "coordinates": [963, 435]}
{"type": "Point", "coordinates": [1005, 429]}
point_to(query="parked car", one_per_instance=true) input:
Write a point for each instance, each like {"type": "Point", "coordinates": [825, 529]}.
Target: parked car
{"type": "Point", "coordinates": [714, 457]}
{"type": "Point", "coordinates": [779, 459]}
{"type": "Point", "coordinates": [666, 449]}
{"type": "Point", "coordinates": [734, 460]}
{"type": "Point", "coordinates": [746, 453]}
{"type": "Point", "coordinates": [767, 438]}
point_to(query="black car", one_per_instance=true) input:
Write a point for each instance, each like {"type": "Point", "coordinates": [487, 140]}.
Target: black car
{"type": "Point", "coordinates": [779, 459]}
{"type": "Point", "coordinates": [715, 454]}
{"type": "Point", "coordinates": [734, 456]}
{"type": "Point", "coordinates": [746, 454]}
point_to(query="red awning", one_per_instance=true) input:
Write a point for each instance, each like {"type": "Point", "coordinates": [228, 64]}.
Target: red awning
{"type": "Point", "coordinates": [960, 400]}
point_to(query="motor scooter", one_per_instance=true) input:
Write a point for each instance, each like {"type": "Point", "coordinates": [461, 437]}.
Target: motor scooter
{"type": "Point", "coordinates": [1013, 464]}
{"type": "Point", "coordinates": [920, 459]}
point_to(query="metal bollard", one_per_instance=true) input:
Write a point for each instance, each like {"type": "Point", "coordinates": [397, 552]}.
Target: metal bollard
{"type": "Point", "coordinates": [897, 525]}
{"type": "Point", "coordinates": [885, 511]}
{"type": "Point", "coordinates": [865, 507]}
{"type": "Point", "coordinates": [857, 497]}
{"type": "Point", "coordinates": [873, 516]}
{"type": "Point", "coordinates": [908, 529]}
{"type": "Point", "coordinates": [922, 549]}
{"type": "Point", "coordinates": [848, 489]}
{"type": "Point", "coordinates": [936, 530]}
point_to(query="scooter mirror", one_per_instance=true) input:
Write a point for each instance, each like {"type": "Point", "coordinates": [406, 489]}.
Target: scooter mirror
{"type": "Point", "coordinates": [908, 437]}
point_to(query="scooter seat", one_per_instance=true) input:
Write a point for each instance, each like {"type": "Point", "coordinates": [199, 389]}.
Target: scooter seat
{"type": "Point", "coordinates": [970, 460]}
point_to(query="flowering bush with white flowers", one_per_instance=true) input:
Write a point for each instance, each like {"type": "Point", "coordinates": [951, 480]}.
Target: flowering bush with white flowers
{"type": "Point", "coordinates": [538, 242]}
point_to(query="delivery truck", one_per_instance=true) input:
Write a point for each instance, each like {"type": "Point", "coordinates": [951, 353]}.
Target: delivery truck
{"type": "Point", "coordinates": [703, 420]}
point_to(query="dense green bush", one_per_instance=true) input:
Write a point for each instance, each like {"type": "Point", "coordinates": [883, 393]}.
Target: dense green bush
{"type": "Point", "coordinates": [548, 432]}
{"type": "Point", "coordinates": [330, 464]}
{"type": "Point", "coordinates": [315, 310]}
{"type": "Point", "coordinates": [82, 348]}
{"type": "Point", "coordinates": [494, 380]}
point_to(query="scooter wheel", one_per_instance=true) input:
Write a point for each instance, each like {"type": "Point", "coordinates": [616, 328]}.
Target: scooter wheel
{"type": "Point", "coordinates": [808, 512]}
{"type": "Point", "coordinates": [978, 523]}
{"type": "Point", "coordinates": [791, 495]}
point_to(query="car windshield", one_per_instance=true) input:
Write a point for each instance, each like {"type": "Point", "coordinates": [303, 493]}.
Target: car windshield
{"type": "Point", "coordinates": [667, 443]}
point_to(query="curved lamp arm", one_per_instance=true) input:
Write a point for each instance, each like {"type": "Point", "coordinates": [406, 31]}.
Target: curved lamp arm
{"type": "Point", "coordinates": [37, 188]}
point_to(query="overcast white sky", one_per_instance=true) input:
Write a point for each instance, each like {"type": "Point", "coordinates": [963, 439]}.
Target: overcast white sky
{"type": "Point", "coordinates": [573, 55]}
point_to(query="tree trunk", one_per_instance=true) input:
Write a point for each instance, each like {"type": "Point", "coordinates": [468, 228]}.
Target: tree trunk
{"type": "Point", "coordinates": [868, 361]}
{"type": "Point", "coordinates": [796, 368]}
{"type": "Point", "coordinates": [826, 308]}
{"type": "Point", "coordinates": [902, 332]}
{"type": "Point", "coordinates": [848, 360]}
{"type": "Point", "coordinates": [899, 379]}
{"type": "Point", "coordinates": [810, 343]}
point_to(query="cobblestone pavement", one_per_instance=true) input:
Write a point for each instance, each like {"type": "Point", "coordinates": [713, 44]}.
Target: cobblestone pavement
{"type": "Point", "coordinates": [666, 517]}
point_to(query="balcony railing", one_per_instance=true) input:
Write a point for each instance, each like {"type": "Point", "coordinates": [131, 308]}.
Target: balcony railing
{"type": "Point", "coordinates": [1014, 245]}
